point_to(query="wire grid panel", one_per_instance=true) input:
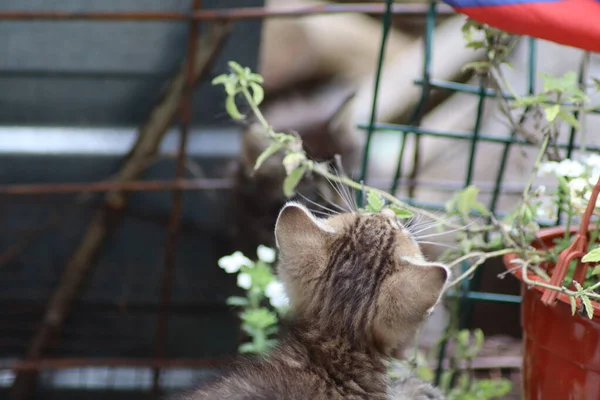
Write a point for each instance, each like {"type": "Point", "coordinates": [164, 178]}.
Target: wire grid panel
{"type": "Point", "coordinates": [476, 139]}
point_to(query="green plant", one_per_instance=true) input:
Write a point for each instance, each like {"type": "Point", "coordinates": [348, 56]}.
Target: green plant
{"type": "Point", "coordinates": [481, 234]}
{"type": "Point", "coordinates": [259, 320]}
{"type": "Point", "coordinates": [467, 345]}
{"type": "Point", "coordinates": [559, 103]}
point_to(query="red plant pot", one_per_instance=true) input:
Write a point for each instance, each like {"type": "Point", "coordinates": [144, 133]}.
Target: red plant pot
{"type": "Point", "coordinates": [561, 358]}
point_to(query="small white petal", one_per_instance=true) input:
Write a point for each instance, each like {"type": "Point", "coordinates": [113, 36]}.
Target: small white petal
{"type": "Point", "coordinates": [277, 295]}
{"type": "Point", "coordinates": [232, 264]}
{"type": "Point", "coordinates": [578, 185]}
{"type": "Point", "coordinates": [570, 168]}
{"type": "Point", "coordinates": [547, 168]}
{"type": "Point", "coordinates": [266, 254]}
{"type": "Point", "coordinates": [244, 281]}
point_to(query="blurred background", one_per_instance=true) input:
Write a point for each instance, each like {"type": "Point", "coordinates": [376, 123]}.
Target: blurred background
{"type": "Point", "coordinates": [123, 180]}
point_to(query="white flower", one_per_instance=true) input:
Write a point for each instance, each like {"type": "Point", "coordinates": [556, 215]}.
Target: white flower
{"type": "Point", "coordinates": [277, 296]}
{"type": "Point", "coordinates": [592, 160]}
{"type": "Point", "coordinates": [244, 280]}
{"type": "Point", "coordinates": [577, 186]}
{"type": "Point", "coordinates": [547, 168]}
{"type": "Point", "coordinates": [265, 254]}
{"type": "Point", "coordinates": [587, 196]}
{"type": "Point", "coordinates": [232, 264]}
{"type": "Point", "coordinates": [570, 168]}
{"type": "Point", "coordinates": [546, 209]}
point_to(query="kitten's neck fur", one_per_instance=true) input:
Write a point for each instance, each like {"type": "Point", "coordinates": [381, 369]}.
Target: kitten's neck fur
{"type": "Point", "coordinates": [335, 356]}
{"type": "Point", "coordinates": [308, 363]}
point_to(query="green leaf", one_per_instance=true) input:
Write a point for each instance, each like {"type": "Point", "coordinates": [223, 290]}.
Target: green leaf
{"type": "Point", "coordinates": [293, 161]}
{"type": "Point", "coordinates": [237, 68]}
{"type": "Point", "coordinates": [577, 286]}
{"type": "Point", "coordinates": [425, 373]}
{"type": "Point", "coordinates": [564, 84]}
{"type": "Point", "coordinates": [592, 256]}
{"type": "Point", "coordinates": [231, 87]}
{"type": "Point", "coordinates": [463, 338]}
{"type": "Point", "coordinates": [573, 305]}
{"type": "Point", "coordinates": [587, 305]}
{"type": "Point", "coordinates": [375, 202]}
{"type": "Point", "coordinates": [247, 348]}
{"type": "Point", "coordinates": [237, 301]}
{"type": "Point", "coordinates": [569, 118]}
{"type": "Point", "coordinates": [466, 200]}
{"type": "Point", "coordinates": [268, 152]}
{"type": "Point", "coordinates": [530, 100]}
{"type": "Point", "coordinates": [258, 94]}
{"type": "Point", "coordinates": [552, 112]}
{"type": "Point", "coordinates": [476, 44]}
{"type": "Point", "coordinates": [596, 270]}
{"type": "Point", "coordinates": [479, 337]}
{"type": "Point", "coordinates": [260, 318]}
{"type": "Point", "coordinates": [232, 109]}
{"type": "Point", "coordinates": [477, 66]}
{"type": "Point", "coordinates": [292, 180]}
{"type": "Point", "coordinates": [490, 388]}
{"type": "Point", "coordinates": [401, 213]}
{"type": "Point", "coordinates": [261, 275]}
{"type": "Point", "coordinates": [221, 79]}
{"type": "Point", "coordinates": [256, 78]}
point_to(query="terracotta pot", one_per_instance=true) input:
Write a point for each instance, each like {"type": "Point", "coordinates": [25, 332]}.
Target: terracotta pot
{"type": "Point", "coordinates": [561, 357]}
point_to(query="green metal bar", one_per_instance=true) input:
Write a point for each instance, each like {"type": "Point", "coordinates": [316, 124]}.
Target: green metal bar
{"type": "Point", "coordinates": [483, 296]}
{"type": "Point", "coordinates": [387, 16]}
{"type": "Point", "coordinates": [460, 135]}
{"type": "Point", "coordinates": [472, 89]}
{"type": "Point", "coordinates": [476, 132]}
{"type": "Point", "coordinates": [417, 114]}
{"type": "Point", "coordinates": [513, 134]}
{"type": "Point", "coordinates": [572, 133]}
{"type": "Point", "coordinates": [462, 88]}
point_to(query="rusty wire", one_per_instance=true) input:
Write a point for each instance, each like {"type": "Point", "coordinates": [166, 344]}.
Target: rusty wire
{"type": "Point", "coordinates": [178, 184]}
{"type": "Point", "coordinates": [234, 14]}
{"type": "Point", "coordinates": [176, 204]}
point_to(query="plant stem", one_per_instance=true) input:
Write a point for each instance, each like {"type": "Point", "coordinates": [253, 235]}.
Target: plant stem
{"type": "Point", "coordinates": [482, 258]}
{"type": "Point", "coordinates": [257, 113]}
{"type": "Point", "coordinates": [561, 289]}
{"type": "Point", "coordinates": [585, 67]}
{"type": "Point", "coordinates": [316, 168]}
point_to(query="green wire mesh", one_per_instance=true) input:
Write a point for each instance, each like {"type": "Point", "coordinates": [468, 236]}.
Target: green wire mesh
{"type": "Point", "coordinates": [467, 292]}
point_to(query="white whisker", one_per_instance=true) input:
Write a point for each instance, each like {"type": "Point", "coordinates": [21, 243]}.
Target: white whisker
{"type": "Point", "coordinates": [438, 244]}
{"type": "Point", "coordinates": [445, 232]}
{"type": "Point", "coordinates": [330, 202]}
{"type": "Point", "coordinates": [331, 211]}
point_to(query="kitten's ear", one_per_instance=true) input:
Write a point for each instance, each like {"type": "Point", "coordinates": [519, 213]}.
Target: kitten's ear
{"type": "Point", "coordinates": [298, 229]}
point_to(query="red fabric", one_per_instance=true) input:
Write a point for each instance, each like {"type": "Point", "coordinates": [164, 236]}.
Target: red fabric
{"type": "Point", "coordinates": [570, 22]}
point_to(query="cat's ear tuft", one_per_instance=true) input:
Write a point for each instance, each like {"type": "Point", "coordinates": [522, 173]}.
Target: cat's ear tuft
{"type": "Point", "coordinates": [297, 228]}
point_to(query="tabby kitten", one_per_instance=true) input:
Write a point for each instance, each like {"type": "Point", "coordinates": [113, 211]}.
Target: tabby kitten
{"type": "Point", "coordinates": [359, 287]}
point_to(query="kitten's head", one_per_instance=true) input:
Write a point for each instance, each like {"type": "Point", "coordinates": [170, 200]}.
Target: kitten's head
{"type": "Point", "coordinates": [360, 274]}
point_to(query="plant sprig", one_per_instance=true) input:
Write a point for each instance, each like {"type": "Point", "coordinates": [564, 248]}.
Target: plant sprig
{"type": "Point", "coordinates": [242, 81]}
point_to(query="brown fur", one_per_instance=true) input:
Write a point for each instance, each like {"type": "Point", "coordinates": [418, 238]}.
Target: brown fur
{"type": "Point", "coordinates": [359, 288]}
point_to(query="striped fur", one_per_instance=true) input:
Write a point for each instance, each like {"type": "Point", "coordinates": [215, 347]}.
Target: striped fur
{"type": "Point", "coordinates": [359, 287]}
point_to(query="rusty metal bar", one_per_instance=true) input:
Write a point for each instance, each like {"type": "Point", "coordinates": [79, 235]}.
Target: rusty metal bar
{"type": "Point", "coordinates": [63, 363]}
{"type": "Point", "coordinates": [176, 207]}
{"type": "Point", "coordinates": [490, 362]}
{"type": "Point", "coordinates": [108, 186]}
{"type": "Point", "coordinates": [244, 13]}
